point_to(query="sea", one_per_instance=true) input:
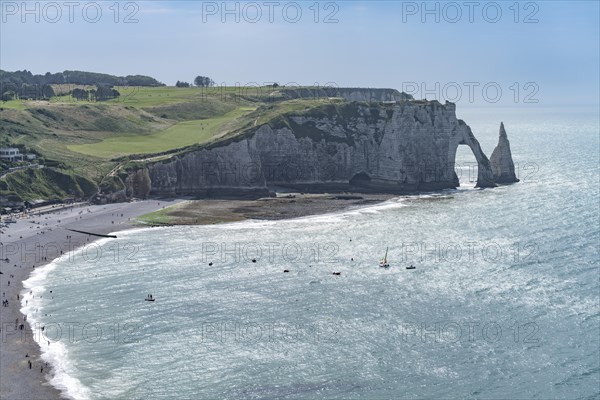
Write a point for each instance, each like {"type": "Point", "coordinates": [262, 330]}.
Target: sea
{"type": "Point", "coordinates": [503, 303]}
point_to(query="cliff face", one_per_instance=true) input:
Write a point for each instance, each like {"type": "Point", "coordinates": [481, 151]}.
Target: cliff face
{"type": "Point", "coordinates": [501, 160]}
{"type": "Point", "coordinates": [350, 94]}
{"type": "Point", "coordinates": [395, 148]}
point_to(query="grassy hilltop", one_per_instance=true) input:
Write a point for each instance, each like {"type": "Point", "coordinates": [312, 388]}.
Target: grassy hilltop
{"type": "Point", "coordinates": [81, 142]}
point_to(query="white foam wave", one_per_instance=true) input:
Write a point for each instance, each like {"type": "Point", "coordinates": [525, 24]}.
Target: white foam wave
{"type": "Point", "coordinates": [54, 353]}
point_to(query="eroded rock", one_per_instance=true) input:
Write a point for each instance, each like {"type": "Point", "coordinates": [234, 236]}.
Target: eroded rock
{"type": "Point", "coordinates": [501, 160]}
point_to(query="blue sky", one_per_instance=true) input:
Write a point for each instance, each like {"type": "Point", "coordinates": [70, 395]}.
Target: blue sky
{"type": "Point", "coordinates": [373, 44]}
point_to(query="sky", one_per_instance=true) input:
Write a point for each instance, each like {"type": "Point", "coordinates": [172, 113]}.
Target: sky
{"type": "Point", "coordinates": [477, 53]}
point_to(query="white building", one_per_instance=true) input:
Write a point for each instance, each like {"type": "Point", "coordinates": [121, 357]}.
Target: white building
{"type": "Point", "coordinates": [10, 154]}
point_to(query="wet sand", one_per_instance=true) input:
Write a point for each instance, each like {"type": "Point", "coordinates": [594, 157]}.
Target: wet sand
{"type": "Point", "coordinates": [284, 206]}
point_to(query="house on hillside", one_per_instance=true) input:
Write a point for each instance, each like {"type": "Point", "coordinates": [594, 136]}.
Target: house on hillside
{"type": "Point", "coordinates": [13, 154]}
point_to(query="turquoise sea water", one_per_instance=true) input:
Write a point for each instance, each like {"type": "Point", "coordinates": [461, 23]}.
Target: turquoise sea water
{"type": "Point", "coordinates": [504, 302]}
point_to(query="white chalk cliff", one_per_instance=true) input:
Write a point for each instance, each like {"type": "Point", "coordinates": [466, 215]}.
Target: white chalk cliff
{"type": "Point", "coordinates": [402, 147]}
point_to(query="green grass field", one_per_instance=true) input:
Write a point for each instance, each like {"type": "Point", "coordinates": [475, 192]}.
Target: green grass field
{"type": "Point", "coordinates": [85, 138]}
{"type": "Point", "coordinates": [183, 134]}
{"type": "Point", "coordinates": [143, 97]}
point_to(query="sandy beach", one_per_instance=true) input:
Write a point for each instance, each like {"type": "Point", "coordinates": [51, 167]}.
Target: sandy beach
{"type": "Point", "coordinates": [22, 249]}
{"type": "Point", "coordinates": [32, 241]}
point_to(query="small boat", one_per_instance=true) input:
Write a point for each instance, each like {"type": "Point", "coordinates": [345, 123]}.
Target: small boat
{"type": "Point", "coordinates": [384, 262]}
{"type": "Point", "coordinates": [149, 298]}
{"type": "Point", "coordinates": [411, 267]}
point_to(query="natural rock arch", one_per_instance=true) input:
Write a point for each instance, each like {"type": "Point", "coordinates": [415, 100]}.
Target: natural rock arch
{"type": "Point", "coordinates": [485, 176]}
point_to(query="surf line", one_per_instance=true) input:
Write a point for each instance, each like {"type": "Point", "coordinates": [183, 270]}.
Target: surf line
{"type": "Point", "coordinates": [93, 234]}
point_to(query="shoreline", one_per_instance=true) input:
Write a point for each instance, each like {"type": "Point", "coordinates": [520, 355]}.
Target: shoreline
{"type": "Point", "coordinates": [23, 243]}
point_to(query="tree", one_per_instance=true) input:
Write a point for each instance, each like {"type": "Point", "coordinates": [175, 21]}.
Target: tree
{"type": "Point", "coordinates": [47, 92]}
{"type": "Point", "coordinates": [105, 92]}
{"type": "Point", "coordinates": [182, 84]}
{"type": "Point", "coordinates": [80, 94]}
{"type": "Point", "coordinates": [8, 95]}
{"type": "Point", "coordinates": [203, 81]}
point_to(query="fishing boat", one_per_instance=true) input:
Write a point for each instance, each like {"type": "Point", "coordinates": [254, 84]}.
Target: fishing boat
{"type": "Point", "coordinates": [149, 298]}
{"type": "Point", "coordinates": [384, 262]}
{"type": "Point", "coordinates": [411, 267]}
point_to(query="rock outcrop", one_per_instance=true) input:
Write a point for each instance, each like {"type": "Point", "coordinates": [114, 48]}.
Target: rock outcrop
{"type": "Point", "coordinates": [501, 160]}
{"type": "Point", "coordinates": [404, 147]}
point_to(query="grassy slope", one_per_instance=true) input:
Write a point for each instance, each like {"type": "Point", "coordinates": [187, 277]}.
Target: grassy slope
{"type": "Point", "coordinates": [84, 138]}
{"type": "Point", "coordinates": [48, 183]}
{"type": "Point", "coordinates": [182, 134]}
